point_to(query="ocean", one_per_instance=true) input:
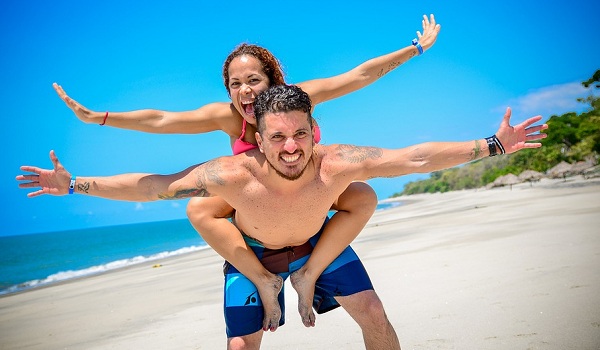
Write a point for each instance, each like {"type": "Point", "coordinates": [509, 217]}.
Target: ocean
{"type": "Point", "coordinates": [29, 261]}
{"type": "Point", "coordinates": [35, 260]}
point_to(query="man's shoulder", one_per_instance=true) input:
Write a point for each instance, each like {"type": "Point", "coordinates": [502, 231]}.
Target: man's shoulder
{"type": "Point", "coordinates": [346, 158]}
{"type": "Point", "coordinates": [328, 155]}
{"type": "Point", "coordinates": [240, 165]}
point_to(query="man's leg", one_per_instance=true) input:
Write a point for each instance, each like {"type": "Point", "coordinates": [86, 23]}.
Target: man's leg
{"type": "Point", "coordinates": [354, 207]}
{"type": "Point", "coordinates": [367, 310]}
{"type": "Point", "coordinates": [209, 217]}
{"type": "Point", "coordinates": [246, 342]}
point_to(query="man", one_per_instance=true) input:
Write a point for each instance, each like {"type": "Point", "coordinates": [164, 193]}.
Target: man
{"type": "Point", "coordinates": [282, 193]}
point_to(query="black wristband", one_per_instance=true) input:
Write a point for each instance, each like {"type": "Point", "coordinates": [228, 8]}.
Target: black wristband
{"type": "Point", "coordinates": [494, 144]}
{"type": "Point", "coordinates": [491, 145]}
{"type": "Point", "coordinates": [498, 144]}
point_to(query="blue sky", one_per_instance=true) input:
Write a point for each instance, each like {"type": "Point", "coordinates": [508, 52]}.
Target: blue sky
{"type": "Point", "coordinates": [119, 55]}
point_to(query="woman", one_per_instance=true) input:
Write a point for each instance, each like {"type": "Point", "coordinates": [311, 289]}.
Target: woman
{"type": "Point", "coordinates": [247, 71]}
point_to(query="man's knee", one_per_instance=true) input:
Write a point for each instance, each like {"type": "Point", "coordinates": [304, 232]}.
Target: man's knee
{"type": "Point", "coordinates": [366, 308]}
{"type": "Point", "coordinates": [373, 308]}
{"type": "Point", "coordinates": [359, 196]}
{"type": "Point", "coordinates": [199, 210]}
{"type": "Point", "coordinates": [247, 342]}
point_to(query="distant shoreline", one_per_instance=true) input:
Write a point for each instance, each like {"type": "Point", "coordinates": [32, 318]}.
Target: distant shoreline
{"type": "Point", "coordinates": [517, 268]}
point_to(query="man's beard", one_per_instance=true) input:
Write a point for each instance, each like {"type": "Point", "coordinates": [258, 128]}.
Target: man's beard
{"type": "Point", "coordinates": [285, 176]}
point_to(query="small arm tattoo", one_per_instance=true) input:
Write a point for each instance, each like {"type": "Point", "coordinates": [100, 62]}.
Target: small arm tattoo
{"type": "Point", "coordinates": [356, 154]}
{"type": "Point", "coordinates": [476, 152]}
{"type": "Point", "coordinates": [84, 187]}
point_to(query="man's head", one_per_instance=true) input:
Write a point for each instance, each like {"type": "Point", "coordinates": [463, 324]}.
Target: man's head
{"type": "Point", "coordinates": [281, 98]}
{"type": "Point", "coordinates": [285, 129]}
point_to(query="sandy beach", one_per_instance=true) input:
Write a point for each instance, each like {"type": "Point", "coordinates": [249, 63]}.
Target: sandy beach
{"type": "Point", "coordinates": [479, 269]}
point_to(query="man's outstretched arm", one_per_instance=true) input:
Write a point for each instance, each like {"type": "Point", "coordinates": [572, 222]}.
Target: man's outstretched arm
{"type": "Point", "coordinates": [433, 156]}
{"type": "Point", "coordinates": [136, 187]}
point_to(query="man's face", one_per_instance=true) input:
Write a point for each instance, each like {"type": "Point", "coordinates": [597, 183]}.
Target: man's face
{"type": "Point", "coordinates": [287, 143]}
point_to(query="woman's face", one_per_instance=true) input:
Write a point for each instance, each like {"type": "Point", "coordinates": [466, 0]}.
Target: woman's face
{"type": "Point", "coordinates": [246, 81]}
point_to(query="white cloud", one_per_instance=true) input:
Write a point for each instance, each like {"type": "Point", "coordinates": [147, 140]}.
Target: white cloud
{"type": "Point", "coordinates": [175, 204]}
{"type": "Point", "coordinates": [139, 206]}
{"type": "Point", "coordinates": [550, 100]}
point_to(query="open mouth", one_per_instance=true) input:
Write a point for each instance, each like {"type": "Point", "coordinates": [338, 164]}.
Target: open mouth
{"type": "Point", "coordinates": [290, 158]}
{"type": "Point", "coordinates": [248, 108]}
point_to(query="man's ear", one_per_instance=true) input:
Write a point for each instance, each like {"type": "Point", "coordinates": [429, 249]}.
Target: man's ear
{"type": "Point", "coordinates": [259, 142]}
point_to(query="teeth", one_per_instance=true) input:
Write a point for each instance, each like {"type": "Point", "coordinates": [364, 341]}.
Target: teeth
{"type": "Point", "coordinates": [290, 159]}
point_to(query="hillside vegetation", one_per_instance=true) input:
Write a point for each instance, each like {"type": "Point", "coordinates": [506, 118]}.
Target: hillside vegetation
{"type": "Point", "coordinates": [571, 138]}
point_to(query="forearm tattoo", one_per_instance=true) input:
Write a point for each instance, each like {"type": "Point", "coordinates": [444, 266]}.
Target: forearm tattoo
{"type": "Point", "coordinates": [356, 154]}
{"type": "Point", "coordinates": [84, 187]}
{"type": "Point", "coordinates": [476, 152]}
{"type": "Point", "coordinates": [391, 66]}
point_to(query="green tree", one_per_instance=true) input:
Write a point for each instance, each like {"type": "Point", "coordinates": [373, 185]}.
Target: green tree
{"type": "Point", "coordinates": [572, 137]}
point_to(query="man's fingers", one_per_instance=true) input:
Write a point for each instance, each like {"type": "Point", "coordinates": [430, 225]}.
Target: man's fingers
{"type": "Point", "coordinates": [35, 194]}
{"type": "Point", "coordinates": [29, 184]}
{"type": "Point", "coordinates": [28, 177]}
{"type": "Point", "coordinates": [30, 169]}
{"type": "Point", "coordinates": [536, 128]}
{"type": "Point", "coordinates": [535, 137]}
{"type": "Point", "coordinates": [54, 160]}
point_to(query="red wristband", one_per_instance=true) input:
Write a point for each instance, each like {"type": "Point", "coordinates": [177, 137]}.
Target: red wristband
{"type": "Point", "coordinates": [104, 120]}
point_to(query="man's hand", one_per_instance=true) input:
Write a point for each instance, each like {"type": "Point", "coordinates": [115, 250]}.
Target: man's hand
{"type": "Point", "coordinates": [515, 138]}
{"type": "Point", "coordinates": [54, 182]}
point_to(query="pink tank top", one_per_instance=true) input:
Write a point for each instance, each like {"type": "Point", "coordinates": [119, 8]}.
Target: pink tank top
{"type": "Point", "coordinates": [241, 146]}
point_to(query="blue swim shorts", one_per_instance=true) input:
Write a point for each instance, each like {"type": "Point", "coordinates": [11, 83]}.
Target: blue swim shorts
{"type": "Point", "coordinates": [345, 276]}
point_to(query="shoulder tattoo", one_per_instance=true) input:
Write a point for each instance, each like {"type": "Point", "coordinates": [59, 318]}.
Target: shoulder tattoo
{"type": "Point", "coordinates": [357, 154]}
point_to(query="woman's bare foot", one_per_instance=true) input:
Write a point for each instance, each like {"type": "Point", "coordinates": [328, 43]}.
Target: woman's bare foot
{"type": "Point", "coordinates": [305, 287]}
{"type": "Point", "coordinates": [269, 291]}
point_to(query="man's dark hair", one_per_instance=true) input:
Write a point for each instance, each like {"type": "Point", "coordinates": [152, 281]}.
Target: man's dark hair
{"type": "Point", "coordinates": [281, 98]}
